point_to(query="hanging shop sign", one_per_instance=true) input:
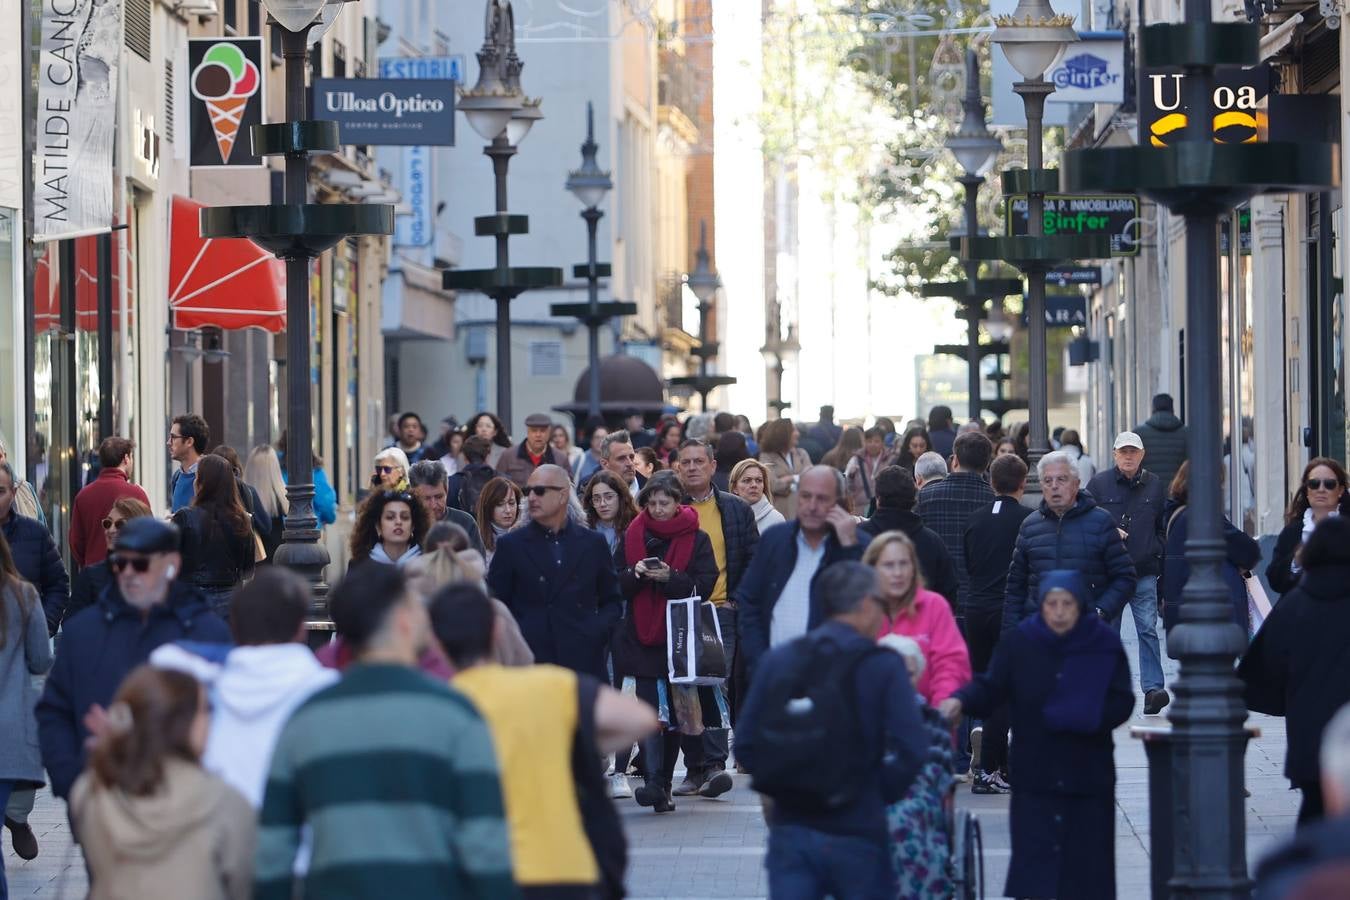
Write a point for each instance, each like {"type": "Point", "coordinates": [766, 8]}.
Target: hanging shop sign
{"type": "Point", "coordinates": [446, 67]}
{"type": "Point", "coordinates": [11, 108]}
{"type": "Point", "coordinates": [1074, 276]}
{"type": "Point", "coordinates": [1091, 70]}
{"type": "Point", "coordinates": [1062, 311]}
{"type": "Point", "coordinates": [388, 111]}
{"type": "Point", "coordinates": [415, 229]}
{"type": "Point", "coordinates": [228, 98]}
{"type": "Point", "coordinates": [1115, 215]}
{"type": "Point", "coordinates": [1238, 105]}
{"type": "Point", "coordinates": [81, 44]}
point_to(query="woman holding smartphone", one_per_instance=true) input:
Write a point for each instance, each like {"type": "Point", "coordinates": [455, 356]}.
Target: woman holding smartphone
{"type": "Point", "coordinates": [663, 556]}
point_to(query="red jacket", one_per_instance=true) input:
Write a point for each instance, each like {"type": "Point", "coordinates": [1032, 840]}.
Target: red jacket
{"type": "Point", "coordinates": [88, 544]}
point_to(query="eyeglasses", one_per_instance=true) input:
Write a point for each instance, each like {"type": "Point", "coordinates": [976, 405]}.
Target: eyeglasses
{"type": "Point", "coordinates": [385, 470]}
{"type": "Point", "coordinates": [539, 490]}
{"type": "Point", "coordinates": [109, 524]}
{"type": "Point", "coordinates": [139, 564]}
{"type": "Point", "coordinates": [175, 437]}
{"type": "Point", "coordinates": [1322, 484]}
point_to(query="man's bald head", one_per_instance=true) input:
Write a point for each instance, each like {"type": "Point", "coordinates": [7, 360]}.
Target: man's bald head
{"type": "Point", "coordinates": [548, 492]}
{"type": "Point", "coordinates": [549, 474]}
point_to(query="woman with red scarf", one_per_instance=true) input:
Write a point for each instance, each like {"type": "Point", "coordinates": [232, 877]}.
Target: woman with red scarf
{"type": "Point", "coordinates": [663, 557]}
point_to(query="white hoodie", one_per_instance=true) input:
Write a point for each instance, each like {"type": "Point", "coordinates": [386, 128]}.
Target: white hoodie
{"type": "Point", "coordinates": [257, 690]}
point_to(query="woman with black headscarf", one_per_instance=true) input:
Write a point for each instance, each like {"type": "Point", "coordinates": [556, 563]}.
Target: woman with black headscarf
{"type": "Point", "coordinates": [1066, 680]}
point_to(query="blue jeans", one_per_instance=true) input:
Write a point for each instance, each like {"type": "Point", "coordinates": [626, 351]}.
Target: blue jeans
{"type": "Point", "coordinates": [6, 787]}
{"type": "Point", "coordinates": [805, 864]}
{"type": "Point", "coordinates": [1144, 606]}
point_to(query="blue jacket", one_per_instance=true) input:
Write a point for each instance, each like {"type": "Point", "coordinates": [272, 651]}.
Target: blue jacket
{"type": "Point", "coordinates": [1085, 540]}
{"type": "Point", "coordinates": [1137, 505]}
{"type": "Point", "coordinates": [889, 725]}
{"type": "Point", "coordinates": [566, 611]}
{"type": "Point", "coordinates": [99, 647]}
{"type": "Point", "coordinates": [325, 498]}
{"type": "Point", "coordinates": [39, 563]}
{"type": "Point", "coordinates": [770, 569]}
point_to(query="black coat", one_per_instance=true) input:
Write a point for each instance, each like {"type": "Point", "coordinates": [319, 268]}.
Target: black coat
{"type": "Point", "coordinates": [566, 612]}
{"type": "Point", "coordinates": [1063, 808]}
{"type": "Point", "coordinates": [1312, 846]}
{"type": "Point", "coordinates": [1085, 540]}
{"type": "Point", "coordinates": [935, 563]}
{"type": "Point", "coordinates": [39, 564]}
{"type": "Point", "coordinates": [85, 589]}
{"type": "Point", "coordinates": [1242, 555]}
{"type": "Point", "coordinates": [631, 656]}
{"type": "Point", "coordinates": [991, 535]}
{"type": "Point", "coordinates": [1137, 506]}
{"type": "Point", "coordinates": [1297, 665]}
{"type": "Point", "coordinates": [1164, 440]}
{"type": "Point", "coordinates": [99, 646]}
{"type": "Point", "coordinates": [1280, 573]}
{"type": "Point", "coordinates": [214, 558]}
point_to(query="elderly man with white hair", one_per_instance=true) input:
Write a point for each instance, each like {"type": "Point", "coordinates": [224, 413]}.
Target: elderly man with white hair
{"type": "Point", "coordinates": [929, 468]}
{"type": "Point", "coordinates": [1068, 531]}
{"type": "Point", "coordinates": [1321, 845]}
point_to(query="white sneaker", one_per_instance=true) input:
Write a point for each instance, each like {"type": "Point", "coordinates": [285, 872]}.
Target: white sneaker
{"type": "Point", "coordinates": [619, 788]}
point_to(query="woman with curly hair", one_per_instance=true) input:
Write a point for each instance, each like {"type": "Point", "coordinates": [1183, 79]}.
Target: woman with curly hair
{"type": "Point", "coordinates": [389, 529]}
{"type": "Point", "coordinates": [498, 511]}
{"type": "Point", "coordinates": [609, 506]}
{"type": "Point", "coordinates": [486, 425]}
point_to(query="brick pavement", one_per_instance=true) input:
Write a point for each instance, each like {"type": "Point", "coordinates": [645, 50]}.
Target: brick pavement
{"type": "Point", "coordinates": [715, 848]}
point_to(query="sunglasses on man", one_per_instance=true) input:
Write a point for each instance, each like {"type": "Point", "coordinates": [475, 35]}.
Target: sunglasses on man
{"type": "Point", "coordinates": [139, 564]}
{"type": "Point", "coordinates": [540, 490]}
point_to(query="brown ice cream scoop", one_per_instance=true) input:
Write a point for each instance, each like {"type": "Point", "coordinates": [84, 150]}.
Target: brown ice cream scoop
{"type": "Point", "coordinates": [213, 80]}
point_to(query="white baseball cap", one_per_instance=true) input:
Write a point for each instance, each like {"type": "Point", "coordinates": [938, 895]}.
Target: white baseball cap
{"type": "Point", "coordinates": [1128, 439]}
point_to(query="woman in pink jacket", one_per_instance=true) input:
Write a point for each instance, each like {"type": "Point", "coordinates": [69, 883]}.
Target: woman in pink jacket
{"type": "Point", "coordinates": [919, 614]}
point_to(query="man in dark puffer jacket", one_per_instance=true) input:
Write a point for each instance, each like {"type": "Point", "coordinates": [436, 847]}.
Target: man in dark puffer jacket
{"type": "Point", "coordinates": [1164, 440]}
{"type": "Point", "coordinates": [1069, 531]}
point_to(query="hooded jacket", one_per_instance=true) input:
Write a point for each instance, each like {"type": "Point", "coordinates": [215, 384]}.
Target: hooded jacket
{"type": "Point", "coordinates": [258, 689]}
{"type": "Point", "coordinates": [194, 832]}
{"type": "Point", "coordinates": [1164, 440]}
{"type": "Point", "coordinates": [99, 646]}
{"type": "Point", "coordinates": [1083, 539]}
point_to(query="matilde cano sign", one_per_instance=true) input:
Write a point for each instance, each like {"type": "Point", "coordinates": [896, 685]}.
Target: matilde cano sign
{"type": "Point", "coordinates": [388, 111]}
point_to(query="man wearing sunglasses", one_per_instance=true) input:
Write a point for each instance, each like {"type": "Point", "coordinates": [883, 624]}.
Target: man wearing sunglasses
{"type": "Point", "coordinates": [558, 579]}
{"type": "Point", "coordinates": [88, 545]}
{"type": "Point", "coordinates": [143, 608]}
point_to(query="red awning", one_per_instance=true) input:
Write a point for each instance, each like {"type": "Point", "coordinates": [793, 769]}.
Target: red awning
{"type": "Point", "coordinates": [46, 293]}
{"type": "Point", "coordinates": [222, 283]}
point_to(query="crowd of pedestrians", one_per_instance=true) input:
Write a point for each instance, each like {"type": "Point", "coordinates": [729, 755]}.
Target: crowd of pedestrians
{"type": "Point", "coordinates": [885, 608]}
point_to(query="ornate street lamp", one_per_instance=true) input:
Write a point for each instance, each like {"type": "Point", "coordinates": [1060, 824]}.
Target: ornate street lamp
{"type": "Point", "coordinates": [498, 110]}
{"type": "Point", "coordinates": [590, 184]}
{"type": "Point", "coordinates": [705, 283]}
{"type": "Point", "coordinates": [298, 232]}
{"type": "Point", "coordinates": [1196, 769]}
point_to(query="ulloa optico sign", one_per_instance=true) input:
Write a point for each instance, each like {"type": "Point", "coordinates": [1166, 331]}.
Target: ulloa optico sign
{"type": "Point", "coordinates": [388, 111]}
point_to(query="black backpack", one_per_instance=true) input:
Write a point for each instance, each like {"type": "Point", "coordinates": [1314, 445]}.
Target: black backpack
{"type": "Point", "coordinates": [811, 730]}
{"type": "Point", "coordinates": [472, 480]}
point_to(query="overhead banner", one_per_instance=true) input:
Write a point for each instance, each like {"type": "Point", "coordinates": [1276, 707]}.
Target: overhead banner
{"type": "Point", "coordinates": [1091, 70]}
{"type": "Point", "coordinates": [228, 97]}
{"type": "Point", "coordinates": [1114, 215]}
{"type": "Point", "coordinates": [76, 116]}
{"type": "Point", "coordinates": [388, 111]}
{"type": "Point", "coordinates": [451, 67]}
{"type": "Point", "coordinates": [11, 107]}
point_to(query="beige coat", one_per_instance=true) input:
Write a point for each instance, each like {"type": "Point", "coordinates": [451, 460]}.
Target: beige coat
{"type": "Point", "coordinates": [193, 839]}
{"type": "Point", "coordinates": [781, 470]}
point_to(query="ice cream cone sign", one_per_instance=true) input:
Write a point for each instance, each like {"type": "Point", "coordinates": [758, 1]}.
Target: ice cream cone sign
{"type": "Point", "coordinates": [224, 81]}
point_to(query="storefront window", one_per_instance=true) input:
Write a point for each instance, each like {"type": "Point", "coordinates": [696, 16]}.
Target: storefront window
{"type": "Point", "coordinates": [11, 331]}
{"type": "Point", "coordinates": [1327, 320]}
{"type": "Point", "coordinates": [1240, 462]}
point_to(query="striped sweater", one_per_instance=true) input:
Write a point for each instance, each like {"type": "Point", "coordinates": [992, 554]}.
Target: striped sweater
{"type": "Point", "coordinates": [396, 777]}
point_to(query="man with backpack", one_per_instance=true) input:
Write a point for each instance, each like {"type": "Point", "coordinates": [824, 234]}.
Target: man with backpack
{"type": "Point", "coordinates": [466, 484]}
{"type": "Point", "coordinates": [831, 735]}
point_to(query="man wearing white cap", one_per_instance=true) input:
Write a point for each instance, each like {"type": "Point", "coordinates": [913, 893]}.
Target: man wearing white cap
{"type": "Point", "coordinates": [1134, 497]}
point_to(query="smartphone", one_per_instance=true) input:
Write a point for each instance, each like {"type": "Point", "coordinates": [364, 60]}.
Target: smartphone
{"type": "Point", "coordinates": [652, 562]}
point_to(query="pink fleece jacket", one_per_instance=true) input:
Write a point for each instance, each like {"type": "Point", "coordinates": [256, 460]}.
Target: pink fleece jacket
{"type": "Point", "coordinates": [931, 624]}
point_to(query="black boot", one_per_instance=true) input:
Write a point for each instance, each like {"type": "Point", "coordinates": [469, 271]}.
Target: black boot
{"type": "Point", "coordinates": [653, 790]}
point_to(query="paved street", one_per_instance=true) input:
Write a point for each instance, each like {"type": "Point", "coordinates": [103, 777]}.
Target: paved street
{"type": "Point", "coordinates": [715, 848]}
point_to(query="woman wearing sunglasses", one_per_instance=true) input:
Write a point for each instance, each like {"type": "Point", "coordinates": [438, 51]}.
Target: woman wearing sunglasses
{"type": "Point", "coordinates": [389, 529]}
{"type": "Point", "coordinates": [391, 470]}
{"type": "Point", "coordinates": [1321, 491]}
{"type": "Point", "coordinates": [91, 580]}
{"type": "Point", "coordinates": [218, 548]}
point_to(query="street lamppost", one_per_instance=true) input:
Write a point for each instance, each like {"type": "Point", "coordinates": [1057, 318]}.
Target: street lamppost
{"type": "Point", "coordinates": [1196, 770]}
{"type": "Point", "coordinates": [590, 185]}
{"type": "Point", "coordinates": [705, 284]}
{"type": "Point", "coordinates": [500, 113]}
{"type": "Point", "coordinates": [776, 352]}
{"type": "Point", "coordinates": [298, 232]}
{"type": "Point", "coordinates": [975, 150]}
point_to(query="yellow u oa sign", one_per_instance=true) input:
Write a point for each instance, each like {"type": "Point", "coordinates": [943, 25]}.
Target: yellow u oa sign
{"type": "Point", "coordinates": [1233, 126]}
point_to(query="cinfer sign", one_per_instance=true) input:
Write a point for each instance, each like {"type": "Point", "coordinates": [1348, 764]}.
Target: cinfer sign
{"type": "Point", "coordinates": [1115, 215]}
{"type": "Point", "coordinates": [388, 111]}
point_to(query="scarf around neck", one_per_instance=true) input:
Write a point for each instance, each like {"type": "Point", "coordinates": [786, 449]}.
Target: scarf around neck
{"type": "Point", "coordinates": [649, 606]}
{"type": "Point", "coordinates": [1085, 657]}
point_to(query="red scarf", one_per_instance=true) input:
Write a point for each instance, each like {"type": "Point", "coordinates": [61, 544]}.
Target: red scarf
{"type": "Point", "coordinates": [649, 606]}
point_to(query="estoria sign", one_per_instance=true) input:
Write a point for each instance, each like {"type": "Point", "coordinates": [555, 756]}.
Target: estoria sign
{"type": "Point", "coordinates": [1115, 215]}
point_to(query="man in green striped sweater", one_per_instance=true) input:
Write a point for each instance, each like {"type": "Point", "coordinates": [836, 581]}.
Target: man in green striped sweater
{"type": "Point", "coordinates": [394, 774]}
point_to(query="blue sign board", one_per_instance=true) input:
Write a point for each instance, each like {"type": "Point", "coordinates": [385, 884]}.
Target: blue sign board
{"type": "Point", "coordinates": [415, 229]}
{"type": "Point", "coordinates": [388, 111]}
{"type": "Point", "coordinates": [450, 68]}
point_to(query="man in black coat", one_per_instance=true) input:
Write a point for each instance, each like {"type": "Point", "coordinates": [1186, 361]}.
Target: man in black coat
{"type": "Point", "coordinates": [34, 551]}
{"type": "Point", "coordinates": [947, 505]}
{"type": "Point", "coordinates": [729, 523]}
{"type": "Point", "coordinates": [896, 495]}
{"type": "Point", "coordinates": [1135, 497]}
{"type": "Point", "coordinates": [1067, 532]}
{"type": "Point", "coordinates": [991, 535]}
{"type": "Point", "coordinates": [1164, 439]}
{"type": "Point", "coordinates": [144, 607]}
{"type": "Point", "coordinates": [558, 579]}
